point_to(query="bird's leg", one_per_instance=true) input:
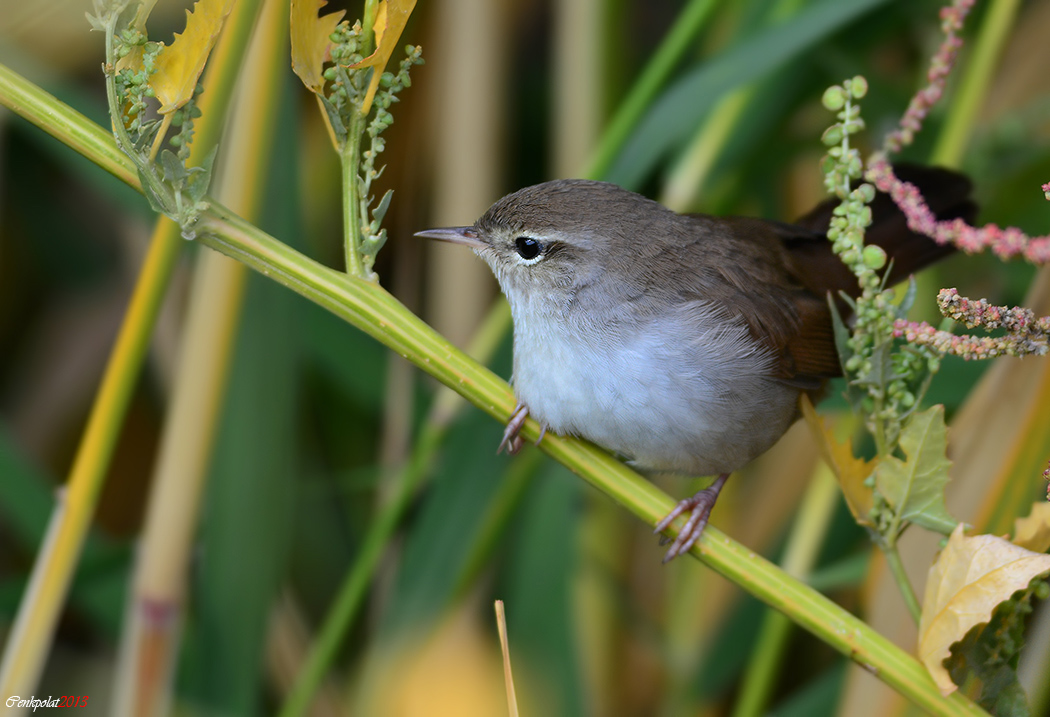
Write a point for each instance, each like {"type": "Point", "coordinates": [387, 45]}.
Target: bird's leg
{"type": "Point", "coordinates": [699, 508]}
{"type": "Point", "coordinates": [511, 440]}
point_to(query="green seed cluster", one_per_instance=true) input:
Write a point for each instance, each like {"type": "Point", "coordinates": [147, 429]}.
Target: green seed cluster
{"type": "Point", "coordinates": [183, 118]}
{"type": "Point", "coordinates": [347, 88]}
{"type": "Point", "coordinates": [133, 88]}
{"type": "Point", "coordinates": [344, 98]}
{"type": "Point", "coordinates": [841, 166]}
{"type": "Point", "coordinates": [171, 187]}
{"type": "Point", "coordinates": [887, 384]}
{"type": "Point", "coordinates": [134, 93]}
{"type": "Point", "coordinates": [389, 85]}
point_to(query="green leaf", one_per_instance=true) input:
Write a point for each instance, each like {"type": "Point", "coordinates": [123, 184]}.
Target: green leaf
{"type": "Point", "coordinates": [915, 487]}
{"type": "Point", "coordinates": [173, 168]}
{"type": "Point", "coordinates": [379, 212]}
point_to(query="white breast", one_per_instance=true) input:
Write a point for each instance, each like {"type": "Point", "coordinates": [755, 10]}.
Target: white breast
{"type": "Point", "coordinates": [687, 392]}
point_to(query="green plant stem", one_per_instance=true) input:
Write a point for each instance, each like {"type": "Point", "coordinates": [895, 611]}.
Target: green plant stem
{"type": "Point", "coordinates": [66, 125]}
{"type": "Point", "coordinates": [377, 313]}
{"type": "Point", "coordinates": [893, 560]}
{"type": "Point", "coordinates": [655, 74]}
{"type": "Point", "coordinates": [973, 84]}
{"type": "Point", "coordinates": [350, 160]}
{"type": "Point", "coordinates": [368, 19]}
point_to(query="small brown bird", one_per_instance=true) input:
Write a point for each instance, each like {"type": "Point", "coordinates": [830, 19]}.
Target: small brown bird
{"type": "Point", "coordinates": [679, 342]}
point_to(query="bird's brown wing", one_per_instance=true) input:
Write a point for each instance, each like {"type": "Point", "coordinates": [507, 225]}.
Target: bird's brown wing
{"type": "Point", "coordinates": [793, 319]}
{"type": "Point", "coordinates": [798, 272]}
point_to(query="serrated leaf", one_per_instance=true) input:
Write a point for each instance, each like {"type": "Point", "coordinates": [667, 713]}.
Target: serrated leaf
{"type": "Point", "coordinates": [311, 41]}
{"type": "Point", "coordinates": [914, 487]}
{"type": "Point", "coordinates": [391, 18]}
{"type": "Point", "coordinates": [850, 471]}
{"type": "Point", "coordinates": [1033, 531]}
{"type": "Point", "coordinates": [179, 65]}
{"type": "Point", "coordinates": [971, 577]}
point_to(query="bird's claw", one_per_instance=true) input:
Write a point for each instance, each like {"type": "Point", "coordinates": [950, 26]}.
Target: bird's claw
{"type": "Point", "coordinates": [699, 508]}
{"type": "Point", "coordinates": [512, 442]}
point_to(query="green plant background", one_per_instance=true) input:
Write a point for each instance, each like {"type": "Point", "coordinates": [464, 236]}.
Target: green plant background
{"type": "Point", "coordinates": [317, 416]}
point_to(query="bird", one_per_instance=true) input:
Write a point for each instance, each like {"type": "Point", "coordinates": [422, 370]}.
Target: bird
{"type": "Point", "coordinates": [679, 342]}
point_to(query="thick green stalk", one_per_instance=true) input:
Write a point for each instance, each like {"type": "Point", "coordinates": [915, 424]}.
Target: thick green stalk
{"type": "Point", "coordinates": [377, 313]}
{"type": "Point", "coordinates": [900, 576]}
{"type": "Point", "coordinates": [66, 125]}
{"type": "Point", "coordinates": [350, 161]}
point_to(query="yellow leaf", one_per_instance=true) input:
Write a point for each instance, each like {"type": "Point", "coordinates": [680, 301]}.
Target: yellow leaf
{"type": "Point", "coordinates": [179, 64]}
{"type": "Point", "coordinates": [391, 18]}
{"type": "Point", "coordinates": [1033, 532]}
{"type": "Point", "coordinates": [971, 576]}
{"type": "Point", "coordinates": [310, 40]}
{"type": "Point", "coordinates": [850, 470]}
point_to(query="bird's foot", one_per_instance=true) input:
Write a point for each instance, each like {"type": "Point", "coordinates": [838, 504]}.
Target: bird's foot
{"type": "Point", "coordinates": [699, 508]}
{"type": "Point", "coordinates": [511, 440]}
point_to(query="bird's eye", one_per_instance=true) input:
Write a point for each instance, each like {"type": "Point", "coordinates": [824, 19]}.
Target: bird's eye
{"type": "Point", "coordinates": [527, 247]}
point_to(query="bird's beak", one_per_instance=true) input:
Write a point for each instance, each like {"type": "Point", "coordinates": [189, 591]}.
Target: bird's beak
{"type": "Point", "coordinates": [456, 235]}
